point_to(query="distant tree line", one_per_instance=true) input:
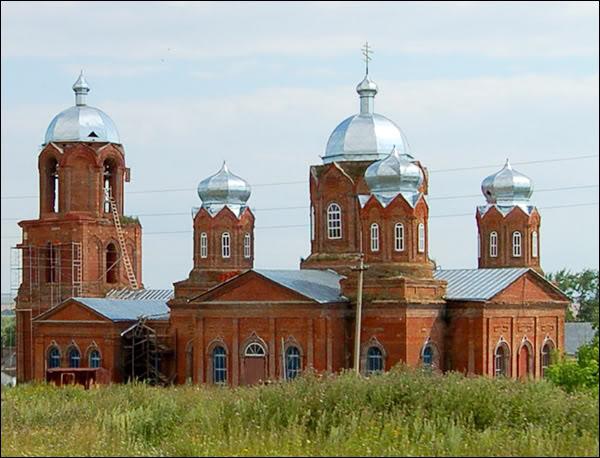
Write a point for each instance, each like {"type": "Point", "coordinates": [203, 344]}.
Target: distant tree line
{"type": "Point", "coordinates": [582, 289]}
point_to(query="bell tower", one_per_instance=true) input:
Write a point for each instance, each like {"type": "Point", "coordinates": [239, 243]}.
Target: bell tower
{"type": "Point", "coordinates": [82, 244]}
{"type": "Point", "coordinates": [223, 233]}
{"type": "Point", "coordinates": [508, 225]}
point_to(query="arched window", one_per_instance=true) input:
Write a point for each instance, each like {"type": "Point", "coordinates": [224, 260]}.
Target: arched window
{"type": "Point", "coordinates": [428, 356]}
{"type": "Point", "coordinates": [219, 365]}
{"type": "Point", "coordinates": [109, 182]}
{"type": "Point", "coordinates": [546, 356]}
{"type": "Point", "coordinates": [74, 357]}
{"type": "Point", "coordinates": [312, 222]}
{"type": "Point", "coordinates": [534, 244]}
{"type": "Point", "coordinates": [502, 360]}
{"type": "Point", "coordinates": [293, 362]}
{"type": "Point", "coordinates": [494, 244]}
{"type": "Point", "coordinates": [421, 230]}
{"type": "Point", "coordinates": [254, 349]}
{"type": "Point", "coordinates": [399, 237]}
{"type": "Point", "coordinates": [374, 237]}
{"type": "Point", "coordinates": [247, 246]}
{"type": "Point", "coordinates": [53, 357]}
{"type": "Point", "coordinates": [334, 221]}
{"type": "Point", "coordinates": [374, 360]}
{"type": "Point", "coordinates": [94, 358]}
{"type": "Point", "coordinates": [516, 244]}
{"type": "Point", "coordinates": [225, 245]}
{"type": "Point", "coordinates": [112, 259]}
{"type": "Point", "coordinates": [52, 183]}
{"type": "Point", "coordinates": [203, 245]}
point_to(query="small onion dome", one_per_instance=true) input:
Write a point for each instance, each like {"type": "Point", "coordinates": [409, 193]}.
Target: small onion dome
{"type": "Point", "coordinates": [393, 175]}
{"type": "Point", "coordinates": [507, 187]}
{"type": "Point", "coordinates": [223, 188]}
{"type": "Point", "coordinates": [81, 123]}
{"type": "Point", "coordinates": [367, 87]}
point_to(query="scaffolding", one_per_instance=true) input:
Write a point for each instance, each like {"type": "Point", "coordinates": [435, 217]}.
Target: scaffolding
{"type": "Point", "coordinates": [143, 354]}
{"type": "Point", "coordinates": [49, 273]}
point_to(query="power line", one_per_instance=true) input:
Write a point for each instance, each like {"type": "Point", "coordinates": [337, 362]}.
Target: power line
{"type": "Point", "coordinates": [285, 183]}
{"type": "Point", "coordinates": [305, 207]}
{"type": "Point", "coordinates": [288, 226]}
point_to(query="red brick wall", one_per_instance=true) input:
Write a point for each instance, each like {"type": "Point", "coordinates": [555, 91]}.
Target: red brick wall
{"type": "Point", "coordinates": [515, 220]}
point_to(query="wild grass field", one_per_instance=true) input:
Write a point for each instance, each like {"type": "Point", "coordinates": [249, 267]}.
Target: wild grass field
{"type": "Point", "coordinates": [403, 412]}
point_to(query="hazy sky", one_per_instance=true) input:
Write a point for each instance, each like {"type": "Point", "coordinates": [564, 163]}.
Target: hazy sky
{"type": "Point", "coordinates": [262, 85]}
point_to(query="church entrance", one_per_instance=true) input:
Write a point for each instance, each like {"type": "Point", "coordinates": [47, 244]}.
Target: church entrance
{"type": "Point", "coordinates": [254, 364]}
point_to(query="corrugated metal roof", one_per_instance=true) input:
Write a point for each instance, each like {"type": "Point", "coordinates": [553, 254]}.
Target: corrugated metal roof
{"type": "Point", "coordinates": [477, 284]}
{"type": "Point", "coordinates": [142, 294]}
{"type": "Point", "coordinates": [576, 335]}
{"type": "Point", "coordinates": [320, 285]}
{"type": "Point", "coordinates": [126, 309]}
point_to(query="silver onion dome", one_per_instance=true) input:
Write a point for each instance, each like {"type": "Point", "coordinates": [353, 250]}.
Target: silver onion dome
{"type": "Point", "coordinates": [366, 135]}
{"type": "Point", "coordinates": [396, 174]}
{"type": "Point", "coordinates": [82, 123]}
{"type": "Point", "coordinates": [507, 187]}
{"type": "Point", "coordinates": [224, 189]}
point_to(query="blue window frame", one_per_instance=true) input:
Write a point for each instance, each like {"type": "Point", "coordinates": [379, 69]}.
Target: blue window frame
{"type": "Point", "coordinates": [94, 359]}
{"type": "Point", "coordinates": [53, 358]}
{"type": "Point", "coordinates": [74, 357]}
{"type": "Point", "coordinates": [428, 356]}
{"type": "Point", "coordinates": [374, 360]}
{"type": "Point", "coordinates": [219, 357]}
{"type": "Point", "coordinates": [292, 362]}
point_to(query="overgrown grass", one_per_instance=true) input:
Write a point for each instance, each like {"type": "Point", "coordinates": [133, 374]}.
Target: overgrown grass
{"type": "Point", "coordinates": [402, 412]}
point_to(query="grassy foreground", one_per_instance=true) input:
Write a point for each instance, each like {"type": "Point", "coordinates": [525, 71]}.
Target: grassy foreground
{"type": "Point", "coordinates": [402, 412]}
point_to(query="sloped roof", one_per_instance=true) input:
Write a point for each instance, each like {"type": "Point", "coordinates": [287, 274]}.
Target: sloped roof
{"type": "Point", "coordinates": [477, 284]}
{"type": "Point", "coordinates": [126, 309]}
{"type": "Point", "coordinates": [144, 294]}
{"type": "Point", "coordinates": [576, 335]}
{"type": "Point", "coordinates": [322, 286]}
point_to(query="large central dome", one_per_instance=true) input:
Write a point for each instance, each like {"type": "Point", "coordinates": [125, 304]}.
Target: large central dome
{"type": "Point", "coordinates": [366, 136]}
{"type": "Point", "coordinates": [82, 123]}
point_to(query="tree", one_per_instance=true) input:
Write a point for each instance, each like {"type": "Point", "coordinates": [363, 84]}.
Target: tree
{"type": "Point", "coordinates": [8, 331]}
{"type": "Point", "coordinates": [580, 374]}
{"type": "Point", "coordinates": [582, 289]}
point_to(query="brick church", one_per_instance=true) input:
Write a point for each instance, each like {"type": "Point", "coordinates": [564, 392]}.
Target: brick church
{"type": "Point", "coordinates": [83, 313]}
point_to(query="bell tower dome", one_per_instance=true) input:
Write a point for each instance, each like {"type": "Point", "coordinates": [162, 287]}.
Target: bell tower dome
{"type": "Point", "coordinates": [508, 224]}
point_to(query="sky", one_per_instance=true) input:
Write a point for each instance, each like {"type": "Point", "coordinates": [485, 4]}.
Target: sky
{"type": "Point", "coordinates": [262, 86]}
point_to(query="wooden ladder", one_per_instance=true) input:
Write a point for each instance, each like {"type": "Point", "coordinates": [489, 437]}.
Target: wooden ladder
{"type": "Point", "coordinates": [121, 238]}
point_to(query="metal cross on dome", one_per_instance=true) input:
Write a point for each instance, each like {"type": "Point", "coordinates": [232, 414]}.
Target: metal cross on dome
{"type": "Point", "coordinates": [366, 51]}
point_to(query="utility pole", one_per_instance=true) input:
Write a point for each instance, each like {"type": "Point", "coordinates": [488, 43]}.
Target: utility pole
{"type": "Point", "coordinates": [358, 317]}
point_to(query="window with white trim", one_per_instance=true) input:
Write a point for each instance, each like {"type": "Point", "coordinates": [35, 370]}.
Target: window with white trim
{"type": "Point", "coordinates": [399, 237]}
{"type": "Point", "coordinates": [421, 230]}
{"type": "Point", "coordinates": [225, 245]}
{"type": "Point", "coordinates": [494, 244]}
{"type": "Point", "coordinates": [374, 237]}
{"type": "Point", "coordinates": [219, 365]}
{"type": "Point", "coordinates": [74, 357]}
{"type": "Point", "coordinates": [203, 245]}
{"type": "Point", "coordinates": [534, 244]}
{"type": "Point", "coordinates": [334, 221]}
{"type": "Point", "coordinates": [293, 362]}
{"type": "Point", "coordinates": [53, 357]}
{"type": "Point", "coordinates": [502, 360]}
{"type": "Point", "coordinates": [94, 359]}
{"type": "Point", "coordinates": [374, 361]}
{"type": "Point", "coordinates": [247, 246]}
{"type": "Point", "coordinates": [516, 244]}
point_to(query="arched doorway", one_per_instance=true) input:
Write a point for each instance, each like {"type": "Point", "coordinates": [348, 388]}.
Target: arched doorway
{"type": "Point", "coordinates": [254, 363]}
{"type": "Point", "coordinates": [112, 271]}
{"type": "Point", "coordinates": [524, 361]}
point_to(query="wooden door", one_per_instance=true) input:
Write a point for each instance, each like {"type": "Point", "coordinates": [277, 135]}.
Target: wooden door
{"type": "Point", "coordinates": [254, 369]}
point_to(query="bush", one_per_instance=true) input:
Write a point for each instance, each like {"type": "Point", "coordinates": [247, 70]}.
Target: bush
{"type": "Point", "coordinates": [581, 374]}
